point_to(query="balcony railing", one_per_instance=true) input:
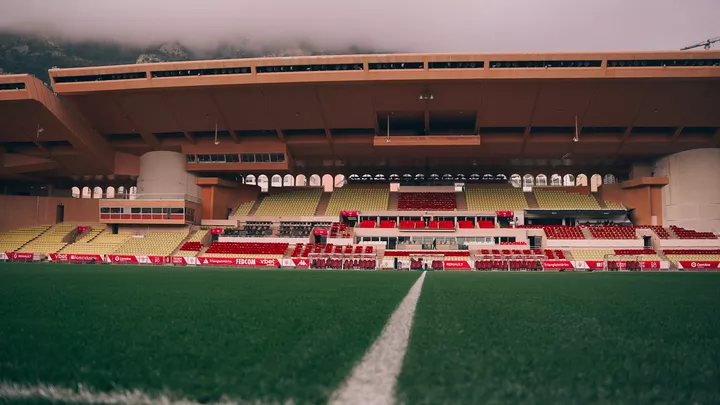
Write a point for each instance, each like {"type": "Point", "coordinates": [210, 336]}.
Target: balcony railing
{"type": "Point", "coordinates": [149, 196]}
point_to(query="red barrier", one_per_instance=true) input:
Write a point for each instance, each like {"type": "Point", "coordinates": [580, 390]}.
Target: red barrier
{"type": "Point", "coordinates": [557, 265]}
{"type": "Point", "coordinates": [237, 262]}
{"type": "Point", "coordinates": [457, 264]}
{"type": "Point", "coordinates": [124, 259]}
{"type": "Point", "coordinates": [73, 258]}
{"type": "Point", "coordinates": [301, 263]}
{"type": "Point", "coordinates": [216, 231]}
{"type": "Point", "coordinates": [645, 265]}
{"type": "Point", "coordinates": [699, 265]}
{"type": "Point", "coordinates": [20, 256]}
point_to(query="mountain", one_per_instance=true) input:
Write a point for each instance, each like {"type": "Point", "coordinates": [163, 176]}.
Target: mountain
{"type": "Point", "coordinates": [34, 54]}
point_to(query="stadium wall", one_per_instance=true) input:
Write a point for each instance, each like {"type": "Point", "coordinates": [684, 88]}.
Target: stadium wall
{"type": "Point", "coordinates": [644, 199]}
{"type": "Point", "coordinates": [23, 211]}
{"type": "Point", "coordinates": [219, 196]}
{"type": "Point", "coordinates": [163, 173]}
{"type": "Point", "coordinates": [692, 198]}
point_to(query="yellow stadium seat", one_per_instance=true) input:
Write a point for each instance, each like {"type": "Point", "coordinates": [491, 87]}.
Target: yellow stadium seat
{"type": "Point", "coordinates": [290, 203]}
{"type": "Point", "coordinates": [495, 199]}
{"type": "Point", "coordinates": [558, 199]}
{"type": "Point", "coordinates": [358, 199]}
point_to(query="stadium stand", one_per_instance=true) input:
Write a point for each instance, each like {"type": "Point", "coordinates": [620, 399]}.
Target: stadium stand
{"type": "Point", "coordinates": [661, 232]}
{"type": "Point", "coordinates": [367, 223]}
{"type": "Point", "coordinates": [561, 200]}
{"type": "Point", "coordinates": [340, 230]}
{"type": "Point", "coordinates": [91, 233]}
{"type": "Point", "coordinates": [441, 224]}
{"type": "Point", "coordinates": [683, 233]}
{"type": "Point", "coordinates": [243, 209]}
{"type": "Point", "coordinates": [290, 203]}
{"type": "Point", "coordinates": [105, 243]}
{"type": "Point", "coordinates": [412, 224]}
{"type": "Point", "coordinates": [298, 229]}
{"type": "Point", "coordinates": [13, 240]}
{"type": "Point", "coordinates": [152, 244]}
{"type": "Point", "coordinates": [51, 241]}
{"type": "Point", "coordinates": [558, 231]}
{"type": "Point", "coordinates": [247, 249]}
{"type": "Point", "coordinates": [251, 229]}
{"type": "Point", "coordinates": [427, 202]}
{"type": "Point", "coordinates": [387, 223]}
{"type": "Point", "coordinates": [465, 224]}
{"type": "Point", "coordinates": [599, 255]}
{"type": "Point", "coordinates": [676, 255]}
{"type": "Point", "coordinates": [613, 206]}
{"type": "Point", "coordinates": [358, 199]}
{"type": "Point", "coordinates": [612, 232]}
{"type": "Point", "coordinates": [495, 199]}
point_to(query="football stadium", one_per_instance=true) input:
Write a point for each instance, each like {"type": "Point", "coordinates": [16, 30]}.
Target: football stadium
{"type": "Point", "coordinates": [365, 229]}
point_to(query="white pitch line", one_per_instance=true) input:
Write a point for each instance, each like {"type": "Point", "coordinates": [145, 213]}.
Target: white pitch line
{"type": "Point", "coordinates": [373, 380]}
{"type": "Point", "coordinates": [83, 395]}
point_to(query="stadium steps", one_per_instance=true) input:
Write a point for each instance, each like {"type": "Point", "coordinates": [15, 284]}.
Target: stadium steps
{"type": "Point", "coordinates": [323, 203]}
{"type": "Point", "coordinates": [393, 201]}
{"type": "Point", "coordinates": [531, 200]}
{"type": "Point", "coordinates": [31, 240]}
{"type": "Point", "coordinates": [586, 233]}
{"type": "Point", "coordinates": [187, 238]}
{"type": "Point", "coordinates": [255, 206]}
{"type": "Point", "coordinates": [461, 201]}
{"type": "Point", "coordinates": [599, 200]}
{"type": "Point", "coordinates": [672, 233]}
{"type": "Point", "coordinates": [568, 255]}
{"type": "Point", "coordinates": [662, 256]}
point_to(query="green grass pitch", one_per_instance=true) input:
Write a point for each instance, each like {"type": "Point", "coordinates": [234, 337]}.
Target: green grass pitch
{"type": "Point", "coordinates": [267, 335]}
{"type": "Point", "coordinates": [277, 335]}
{"type": "Point", "coordinates": [559, 338]}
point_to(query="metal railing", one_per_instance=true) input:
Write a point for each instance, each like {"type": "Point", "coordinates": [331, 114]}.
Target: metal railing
{"type": "Point", "coordinates": [150, 196]}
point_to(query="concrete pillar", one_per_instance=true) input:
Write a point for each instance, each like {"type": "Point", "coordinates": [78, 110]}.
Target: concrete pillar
{"type": "Point", "coordinates": [163, 173]}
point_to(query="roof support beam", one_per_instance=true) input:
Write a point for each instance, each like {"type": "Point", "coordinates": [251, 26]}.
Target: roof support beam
{"type": "Point", "coordinates": [190, 137]}
{"type": "Point", "coordinates": [628, 130]}
{"type": "Point", "coordinates": [374, 110]}
{"type": "Point", "coordinates": [150, 139]}
{"type": "Point", "coordinates": [687, 117]}
{"type": "Point", "coordinates": [427, 117]}
{"type": "Point", "coordinates": [271, 112]}
{"type": "Point", "coordinates": [526, 134]}
{"type": "Point", "coordinates": [479, 112]}
{"type": "Point", "coordinates": [225, 122]}
{"type": "Point", "coordinates": [328, 133]}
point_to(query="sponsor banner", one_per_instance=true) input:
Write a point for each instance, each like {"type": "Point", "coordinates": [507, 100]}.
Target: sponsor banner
{"type": "Point", "coordinates": [301, 263]}
{"type": "Point", "coordinates": [699, 265]}
{"type": "Point", "coordinates": [22, 256]}
{"type": "Point", "coordinates": [505, 214]}
{"type": "Point", "coordinates": [3, 256]}
{"type": "Point", "coordinates": [73, 258]}
{"type": "Point", "coordinates": [558, 265]}
{"type": "Point", "coordinates": [457, 264]}
{"type": "Point", "coordinates": [184, 260]}
{"type": "Point", "coordinates": [237, 262]}
{"type": "Point", "coordinates": [644, 265]}
{"type": "Point", "coordinates": [124, 259]}
{"type": "Point", "coordinates": [216, 231]}
{"type": "Point", "coordinates": [82, 229]}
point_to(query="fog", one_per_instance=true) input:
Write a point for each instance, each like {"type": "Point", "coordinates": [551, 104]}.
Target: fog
{"type": "Point", "coordinates": [398, 25]}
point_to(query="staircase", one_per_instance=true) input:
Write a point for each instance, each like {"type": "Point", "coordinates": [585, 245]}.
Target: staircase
{"type": "Point", "coordinates": [255, 206]}
{"type": "Point", "coordinates": [672, 233]}
{"type": "Point", "coordinates": [586, 233]}
{"type": "Point", "coordinates": [41, 234]}
{"type": "Point", "coordinates": [599, 200]}
{"type": "Point", "coordinates": [662, 256]}
{"type": "Point", "coordinates": [461, 201]}
{"type": "Point", "coordinates": [187, 238]}
{"type": "Point", "coordinates": [531, 200]}
{"type": "Point", "coordinates": [323, 203]}
{"type": "Point", "coordinates": [393, 201]}
{"type": "Point", "coordinates": [568, 255]}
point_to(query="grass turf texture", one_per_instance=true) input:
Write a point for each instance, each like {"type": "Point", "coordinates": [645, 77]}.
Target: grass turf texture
{"type": "Point", "coordinates": [268, 335]}
{"type": "Point", "coordinates": [565, 339]}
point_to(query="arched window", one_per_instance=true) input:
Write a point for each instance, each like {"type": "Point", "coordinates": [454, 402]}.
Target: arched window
{"type": "Point", "coordinates": [354, 177]}
{"type": "Point", "coordinates": [555, 180]}
{"type": "Point", "coordinates": [86, 192]}
{"type": "Point", "coordinates": [300, 180]}
{"type": "Point", "coordinates": [339, 180]}
{"type": "Point", "coordinates": [501, 177]}
{"type": "Point", "coordinates": [97, 192]}
{"type": "Point", "coordinates": [407, 177]}
{"type": "Point", "coordinates": [541, 180]}
{"type": "Point", "coordinates": [447, 176]}
{"type": "Point", "coordinates": [315, 181]}
{"type": "Point", "coordinates": [515, 180]}
{"type": "Point", "coordinates": [366, 177]}
{"type": "Point", "coordinates": [488, 176]}
{"type": "Point", "coordinates": [420, 177]}
{"type": "Point", "coordinates": [262, 181]}
{"type": "Point", "coordinates": [581, 180]}
{"type": "Point", "coordinates": [75, 192]}
{"type": "Point", "coordinates": [276, 181]}
{"type": "Point", "coordinates": [288, 180]}
{"type": "Point", "coordinates": [121, 192]}
{"type": "Point", "coordinates": [380, 177]}
{"type": "Point", "coordinates": [568, 180]}
{"type": "Point", "coordinates": [250, 179]}
{"type": "Point", "coordinates": [327, 182]}
{"type": "Point", "coordinates": [609, 179]}
{"type": "Point", "coordinates": [110, 192]}
{"type": "Point", "coordinates": [595, 182]}
{"type": "Point", "coordinates": [434, 176]}
{"type": "Point", "coordinates": [460, 176]}
{"type": "Point", "coordinates": [528, 180]}
{"type": "Point", "coordinates": [394, 177]}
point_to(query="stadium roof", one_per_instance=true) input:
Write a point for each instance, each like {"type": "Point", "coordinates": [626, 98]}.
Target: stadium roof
{"type": "Point", "coordinates": [445, 111]}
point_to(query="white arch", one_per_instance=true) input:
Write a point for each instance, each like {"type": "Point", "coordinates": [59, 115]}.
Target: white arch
{"type": "Point", "coordinates": [288, 180]}
{"type": "Point", "coordinates": [528, 180]}
{"type": "Point", "coordinates": [555, 180]}
{"type": "Point", "coordinates": [250, 179]}
{"type": "Point", "coordinates": [301, 180]}
{"type": "Point", "coordinates": [339, 180]}
{"type": "Point", "coordinates": [595, 182]}
{"type": "Point", "coordinates": [262, 181]}
{"type": "Point", "coordinates": [97, 192]}
{"type": "Point", "coordinates": [75, 192]}
{"type": "Point", "coordinates": [515, 180]}
{"type": "Point", "coordinates": [327, 182]}
{"type": "Point", "coordinates": [568, 180]}
{"type": "Point", "coordinates": [609, 179]}
{"type": "Point", "coordinates": [315, 180]}
{"type": "Point", "coordinates": [581, 180]}
{"type": "Point", "coordinates": [110, 192]}
{"type": "Point", "coordinates": [276, 181]}
{"type": "Point", "coordinates": [86, 192]}
{"type": "Point", "coordinates": [541, 180]}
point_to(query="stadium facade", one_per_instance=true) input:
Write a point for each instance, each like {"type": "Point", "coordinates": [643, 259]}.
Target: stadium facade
{"type": "Point", "coordinates": [552, 139]}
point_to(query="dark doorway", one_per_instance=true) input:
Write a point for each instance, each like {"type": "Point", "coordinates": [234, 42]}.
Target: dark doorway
{"type": "Point", "coordinates": [648, 242]}
{"type": "Point", "coordinates": [59, 213]}
{"type": "Point", "coordinates": [115, 229]}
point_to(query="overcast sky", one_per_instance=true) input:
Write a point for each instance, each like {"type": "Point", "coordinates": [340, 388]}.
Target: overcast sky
{"type": "Point", "coordinates": [400, 25]}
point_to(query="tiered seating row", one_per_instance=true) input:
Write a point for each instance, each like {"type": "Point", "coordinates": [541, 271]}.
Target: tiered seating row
{"type": "Point", "coordinates": [152, 244]}
{"type": "Point", "coordinates": [495, 199]}
{"type": "Point", "coordinates": [661, 232]}
{"type": "Point", "coordinates": [558, 199]}
{"type": "Point", "coordinates": [613, 232]}
{"type": "Point", "coordinates": [558, 231]}
{"type": "Point", "coordinates": [51, 241]}
{"type": "Point", "coordinates": [12, 240]}
{"type": "Point", "coordinates": [358, 199]}
{"type": "Point", "coordinates": [683, 233]}
{"type": "Point", "coordinates": [427, 201]}
{"type": "Point", "coordinates": [290, 203]}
